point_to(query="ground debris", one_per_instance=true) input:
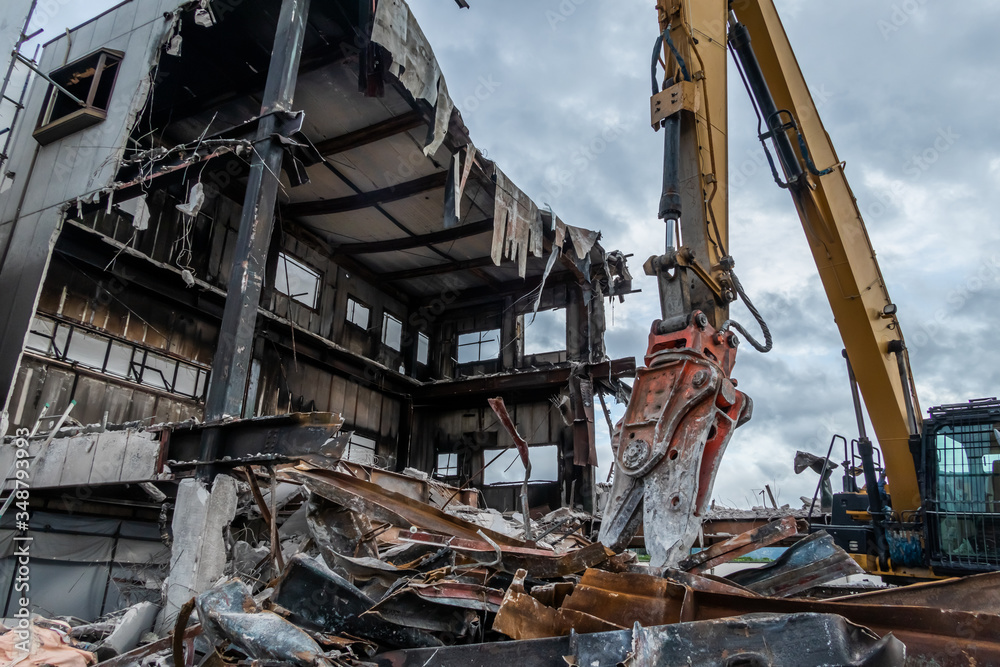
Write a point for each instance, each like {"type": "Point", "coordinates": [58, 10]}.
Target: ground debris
{"type": "Point", "coordinates": [374, 576]}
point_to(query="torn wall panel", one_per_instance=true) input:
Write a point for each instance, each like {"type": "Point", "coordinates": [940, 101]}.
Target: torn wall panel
{"type": "Point", "coordinates": [414, 64]}
{"type": "Point", "coordinates": [66, 169]}
{"type": "Point", "coordinates": [517, 224]}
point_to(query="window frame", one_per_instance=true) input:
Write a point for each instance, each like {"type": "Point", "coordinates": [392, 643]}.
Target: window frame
{"type": "Point", "coordinates": [386, 316]}
{"type": "Point", "coordinates": [50, 129]}
{"type": "Point", "coordinates": [142, 368]}
{"type": "Point", "coordinates": [307, 268]}
{"type": "Point", "coordinates": [425, 340]}
{"type": "Point", "coordinates": [479, 345]}
{"type": "Point", "coordinates": [368, 317]}
{"type": "Point", "coordinates": [452, 468]}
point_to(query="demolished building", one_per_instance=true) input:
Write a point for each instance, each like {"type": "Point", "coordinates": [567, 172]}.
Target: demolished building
{"type": "Point", "coordinates": [172, 170]}
{"type": "Point", "coordinates": [266, 331]}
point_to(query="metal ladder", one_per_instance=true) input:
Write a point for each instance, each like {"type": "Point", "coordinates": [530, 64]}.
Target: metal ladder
{"type": "Point", "coordinates": [56, 422]}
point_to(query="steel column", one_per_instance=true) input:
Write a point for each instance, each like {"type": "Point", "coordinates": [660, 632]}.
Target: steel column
{"type": "Point", "coordinates": [231, 365]}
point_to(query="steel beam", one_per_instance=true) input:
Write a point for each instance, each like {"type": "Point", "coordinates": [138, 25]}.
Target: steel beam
{"type": "Point", "coordinates": [437, 269]}
{"type": "Point", "coordinates": [368, 199]}
{"type": "Point", "coordinates": [369, 135]}
{"type": "Point", "coordinates": [408, 243]}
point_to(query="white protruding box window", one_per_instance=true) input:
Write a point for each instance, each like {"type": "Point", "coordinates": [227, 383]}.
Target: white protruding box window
{"type": "Point", "coordinates": [392, 332]}
{"type": "Point", "coordinates": [423, 349]}
{"type": "Point", "coordinates": [297, 281]}
{"type": "Point", "coordinates": [358, 313]}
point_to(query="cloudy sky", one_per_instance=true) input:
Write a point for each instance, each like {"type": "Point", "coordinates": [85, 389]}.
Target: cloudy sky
{"type": "Point", "coordinates": [909, 92]}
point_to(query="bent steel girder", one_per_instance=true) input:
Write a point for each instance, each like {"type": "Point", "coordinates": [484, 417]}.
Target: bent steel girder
{"type": "Point", "coordinates": [683, 411]}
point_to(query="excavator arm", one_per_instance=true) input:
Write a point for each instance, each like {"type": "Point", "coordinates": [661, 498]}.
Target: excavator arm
{"type": "Point", "coordinates": [684, 404]}
{"type": "Point", "coordinates": [814, 177]}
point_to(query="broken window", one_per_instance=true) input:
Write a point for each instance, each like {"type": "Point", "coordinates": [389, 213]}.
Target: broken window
{"type": "Point", "coordinates": [297, 281]}
{"type": "Point", "coordinates": [76, 345]}
{"type": "Point", "coordinates": [119, 360]}
{"type": "Point", "coordinates": [447, 465]}
{"type": "Point", "coordinates": [508, 468]}
{"type": "Point", "coordinates": [478, 346]}
{"type": "Point", "coordinates": [392, 332]}
{"type": "Point", "coordinates": [48, 338]}
{"type": "Point", "coordinates": [545, 332]}
{"type": "Point", "coordinates": [81, 97]}
{"type": "Point", "coordinates": [360, 450]}
{"type": "Point", "coordinates": [423, 349]}
{"type": "Point", "coordinates": [358, 314]}
{"type": "Point", "coordinates": [87, 349]}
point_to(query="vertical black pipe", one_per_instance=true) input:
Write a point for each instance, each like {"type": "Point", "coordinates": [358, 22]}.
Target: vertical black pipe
{"type": "Point", "coordinates": [898, 349]}
{"type": "Point", "coordinates": [231, 365]}
{"type": "Point", "coordinates": [670, 198]}
{"type": "Point", "coordinates": [876, 508]}
{"type": "Point", "coordinates": [739, 40]}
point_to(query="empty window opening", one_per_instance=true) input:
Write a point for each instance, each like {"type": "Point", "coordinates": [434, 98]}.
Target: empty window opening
{"type": "Point", "coordinates": [358, 314]}
{"type": "Point", "coordinates": [90, 81]}
{"type": "Point", "coordinates": [423, 349]}
{"type": "Point", "coordinates": [447, 465]}
{"type": "Point", "coordinates": [478, 346]}
{"type": "Point", "coordinates": [508, 468]}
{"type": "Point", "coordinates": [361, 450]}
{"type": "Point", "coordinates": [392, 332]}
{"type": "Point", "coordinates": [546, 332]}
{"type": "Point", "coordinates": [297, 281]}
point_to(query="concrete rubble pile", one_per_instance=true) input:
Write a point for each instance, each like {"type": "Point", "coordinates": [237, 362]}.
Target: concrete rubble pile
{"type": "Point", "coordinates": [334, 563]}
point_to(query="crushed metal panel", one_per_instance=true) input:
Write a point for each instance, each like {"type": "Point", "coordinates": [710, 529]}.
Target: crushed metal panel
{"type": "Point", "coordinates": [740, 545]}
{"type": "Point", "coordinates": [522, 616]}
{"type": "Point", "coordinates": [541, 563]}
{"type": "Point", "coordinates": [812, 561]}
{"type": "Point", "coordinates": [799, 640]}
{"type": "Point", "coordinates": [929, 633]}
{"type": "Point", "coordinates": [319, 598]}
{"type": "Point", "coordinates": [336, 530]}
{"type": "Point", "coordinates": [624, 599]}
{"type": "Point", "coordinates": [600, 648]}
{"type": "Point", "coordinates": [230, 615]}
{"type": "Point", "coordinates": [978, 593]}
{"type": "Point", "coordinates": [366, 498]}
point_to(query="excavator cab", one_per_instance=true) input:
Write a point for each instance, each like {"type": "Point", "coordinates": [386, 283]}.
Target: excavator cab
{"type": "Point", "coordinates": [955, 532]}
{"type": "Point", "coordinates": [961, 474]}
